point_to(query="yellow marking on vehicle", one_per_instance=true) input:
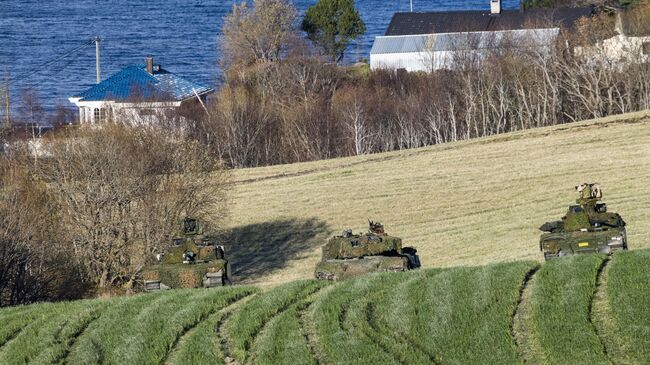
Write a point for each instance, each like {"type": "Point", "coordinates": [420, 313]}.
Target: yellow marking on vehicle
{"type": "Point", "coordinates": [583, 244]}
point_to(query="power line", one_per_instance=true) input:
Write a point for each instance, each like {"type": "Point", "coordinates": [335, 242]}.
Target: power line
{"type": "Point", "coordinates": [44, 65]}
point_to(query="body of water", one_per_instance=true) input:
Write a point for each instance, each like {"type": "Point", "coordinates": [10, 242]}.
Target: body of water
{"type": "Point", "coordinates": [180, 34]}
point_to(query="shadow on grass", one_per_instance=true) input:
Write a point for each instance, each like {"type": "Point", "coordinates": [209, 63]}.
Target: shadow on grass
{"type": "Point", "coordinates": [257, 249]}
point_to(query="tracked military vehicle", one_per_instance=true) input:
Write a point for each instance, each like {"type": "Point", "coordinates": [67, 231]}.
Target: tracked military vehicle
{"type": "Point", "coordinates": [194, 260]}
{"type": "Point", "coordinates": [349, 255]}
{"type": "Point", "coordinates": [587, 227]}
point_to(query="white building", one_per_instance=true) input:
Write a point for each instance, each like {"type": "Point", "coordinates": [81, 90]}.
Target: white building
{"type": "Point", "coordinates": [437, 40]}
{"type": "Point", "coordinates": [139, 94]}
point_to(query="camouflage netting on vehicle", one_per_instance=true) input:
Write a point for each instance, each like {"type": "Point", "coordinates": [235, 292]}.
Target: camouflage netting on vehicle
{"type": "Point", "coordinates": [357, 246]}
{"type": "Point", "coordinates": [344, 269]}
{"type": "Point", "coordinates": [174, 255]}
{"type": "Point", "coordinates": [182, 276]}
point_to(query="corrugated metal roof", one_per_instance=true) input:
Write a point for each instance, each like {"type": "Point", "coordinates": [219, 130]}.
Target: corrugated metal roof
{"type": "Point", "coordinates": [463, 41]}
{"type": "Point", "coordinates": [480, 21]}
{"type": "Point", "coordinates": [135, 83]}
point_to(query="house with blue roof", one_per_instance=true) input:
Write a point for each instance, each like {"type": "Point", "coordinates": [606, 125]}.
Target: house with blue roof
{"type": "Point", "coordinates": [138, 94]}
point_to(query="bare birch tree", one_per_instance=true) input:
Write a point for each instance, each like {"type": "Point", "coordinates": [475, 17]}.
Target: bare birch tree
{"type": "Point", "coordinates": [258, 33]}
{"type": "Point", "coordinates": [121, 192]}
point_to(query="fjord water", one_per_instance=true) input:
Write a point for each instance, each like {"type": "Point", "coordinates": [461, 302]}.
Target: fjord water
{"type": "Point", "coordinates": [180, 34]}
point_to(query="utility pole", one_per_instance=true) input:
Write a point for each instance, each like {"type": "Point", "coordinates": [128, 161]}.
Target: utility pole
{"type": "Point", "coordinates": [411, 6]}
{"type": "Point", "coordinates": [6, 99]}
{"type": "Point", "coordinates": [97, 40]}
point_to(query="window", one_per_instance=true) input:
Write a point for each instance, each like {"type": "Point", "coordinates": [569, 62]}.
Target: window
{"type": "Point", "coordinates": [98, 114]}
{"type": "Point", "coordinates": [646, 48]}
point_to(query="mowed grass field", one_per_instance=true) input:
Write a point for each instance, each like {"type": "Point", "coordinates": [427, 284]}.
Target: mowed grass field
{"type": "Point", "coordinates": [573, 310]}
{"type": "Point", "coordinates": [467, 203]}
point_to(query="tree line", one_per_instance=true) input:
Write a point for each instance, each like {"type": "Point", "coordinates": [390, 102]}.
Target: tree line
{"type": "Point", "coordinates": [298, 106]}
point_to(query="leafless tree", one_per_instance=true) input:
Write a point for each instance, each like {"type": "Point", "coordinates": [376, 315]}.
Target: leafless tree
{"type": "Point", "coordinates": [258, 33]}
{"type": "Point", "coordinates": [35, 262]}
{"type": "Point", "coordinates": [121, 191]}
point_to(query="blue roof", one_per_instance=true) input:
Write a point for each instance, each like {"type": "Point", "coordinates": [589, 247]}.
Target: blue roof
{"type": "Point", "coordinates": [135, 83]}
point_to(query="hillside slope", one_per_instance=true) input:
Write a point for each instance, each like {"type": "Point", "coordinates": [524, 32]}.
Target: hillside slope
{"type": "Point", "coordinates": [465, 203]}
{"type": "Point", "coordinates": [588, 309]}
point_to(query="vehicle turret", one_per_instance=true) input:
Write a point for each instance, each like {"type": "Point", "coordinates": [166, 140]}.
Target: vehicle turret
{"type": "Point", "coordinates": [351, 254]}
{"type": "Point", "coordinates": [193, 259]}
{"type": "Point", "coordinates": [587, 227]}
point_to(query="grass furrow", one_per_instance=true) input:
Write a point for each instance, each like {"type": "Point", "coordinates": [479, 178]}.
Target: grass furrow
{"type": "Point", "coordinates": [11, 329]}
{"type": "Point", "coordinates": [341, 339]}
{"type": "Point", "coordinates": [143, 329]}
{"type": "Point", "coordinates": [102, 334]}
{"type": "Point", "coordinates": [628, 295]}
{"type": "Point", "coordinates": [15, 319]}
{"type": "Point", "coordinates": [283, 340]}
{"type": "Point", "coordinates": [362, 315]}
{"type": "Point", "coordinates": [47, 336]}
{"type": "Point", "coordinates": [244, 324]}
{"type": "Point", "coordinates": [461, 315]}
{"type": "Point", "coordinates": [560, 311]}
{"type": "Point", "coordinates": [200, 344]}
{"type": "Point", "coordinates": [408, 352]}
{"type": "Point", "coordinates": [59, 346]}
{"type": "Point", "coordinates": [150, 342]}
{"type": "Point", "coordinates": [529, 349]}
{"type": "Point", "coordinates": [607, 328]}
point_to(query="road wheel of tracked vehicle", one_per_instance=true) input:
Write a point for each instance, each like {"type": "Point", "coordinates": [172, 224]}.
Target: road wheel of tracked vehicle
{"type": "Point", "coordinates": [320, 275]}
{"type": "Point", "coordinates": [549, 256]}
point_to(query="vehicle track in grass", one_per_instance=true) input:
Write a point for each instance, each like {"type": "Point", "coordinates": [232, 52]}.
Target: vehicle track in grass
{"type": "Point", "coordinates": [386, 338]}
{"type": "Point", "coordinates": [520, 329]}
{"type": "Point", "coordinates": [299, 305]}
{"type": "Point", "coordinates": [73, 338]}
{"type": "Point", "coordinates": [93, 335]}
{"type": "Point", "coordinates": [307, 327]}
{"type": "Point", "coordinates": [11, 336]}
{"type": "Point", "coordinates": [599, 291]}
{"type": "Point", "coordinates": [406, 286]}
{"type": "Point", "coordinates": [174, 348]}
{"type": "Point", "coordinates": [15, 316]}
{"type": "Point", "coordinates": [225, 313]}
{"type": "Point", "coordinates": [306, 331]}
{"type": "Point", "coordinates": [47, 335]}
{"type": "Point", "coordinates": [365, 329]}
{"type": "Point", "coordinates": [606, 326]}
{"type": "Point", "coordinates": [309, 292]}
{"type": "Point", "coordinates": [418, 352]}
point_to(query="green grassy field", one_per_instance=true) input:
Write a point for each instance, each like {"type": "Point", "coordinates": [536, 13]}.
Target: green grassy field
{"type": "Point", "coordinates": [482, 297]}
{"type": "Point", "coordinates": [468, 203]}
{"type": "Point", "coordinates": [574, 310]}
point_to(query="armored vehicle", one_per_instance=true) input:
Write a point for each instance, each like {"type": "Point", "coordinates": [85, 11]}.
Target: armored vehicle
{"type": "Point", "coordinates": [193, 260]}
{"type": "Point", "coordinates": [350, 254]}
{"type": "Point", "coordinates": [587, 227]}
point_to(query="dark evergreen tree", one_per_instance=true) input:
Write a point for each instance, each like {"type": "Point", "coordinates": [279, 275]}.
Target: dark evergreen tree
{"type": "Point", "coordinates": [332, 25]}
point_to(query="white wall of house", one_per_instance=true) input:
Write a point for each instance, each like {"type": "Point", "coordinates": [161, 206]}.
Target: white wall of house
{"type": "Point", "coordinates": [620, 49]}
{"type": "Point", "coordinates": [412, 61]}
{"type": "Point", "coordinates": [430, 52]}
{"type": "Point", "coordinates": [142, 113]}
